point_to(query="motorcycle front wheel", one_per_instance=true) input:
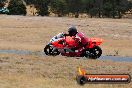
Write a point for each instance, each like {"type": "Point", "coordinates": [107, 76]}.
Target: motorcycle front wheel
{"type": "Point", "coordinates": [49, 50]}
{"type": "Point", "coordinates": [93, 53]}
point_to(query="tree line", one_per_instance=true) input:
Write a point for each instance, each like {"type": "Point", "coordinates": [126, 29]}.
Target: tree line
{"type": "Point", "coordinates": [93, 8]}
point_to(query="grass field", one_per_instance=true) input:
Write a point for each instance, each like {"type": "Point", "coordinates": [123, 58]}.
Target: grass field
{"type": "Point", "coordinates": [33, 33]}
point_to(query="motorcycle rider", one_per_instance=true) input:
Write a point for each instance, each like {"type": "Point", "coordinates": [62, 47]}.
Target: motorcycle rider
{"type": "Point", "coordinates": [79, 38]}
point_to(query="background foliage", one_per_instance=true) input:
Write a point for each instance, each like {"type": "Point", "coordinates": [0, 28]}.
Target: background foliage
{"type": "Point", "coordinates": [93, 8]}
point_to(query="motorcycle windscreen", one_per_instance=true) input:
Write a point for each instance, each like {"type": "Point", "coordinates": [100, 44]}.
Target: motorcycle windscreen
{"type": "Point", "coordinates": [97, 41]}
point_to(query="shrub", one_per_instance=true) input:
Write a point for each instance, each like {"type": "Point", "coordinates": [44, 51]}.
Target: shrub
{"type": "Point", "coordinates": [17, 7]}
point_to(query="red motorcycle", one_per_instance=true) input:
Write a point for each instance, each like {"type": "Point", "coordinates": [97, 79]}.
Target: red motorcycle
{"type": "Point", "coordinates": [63, 45]}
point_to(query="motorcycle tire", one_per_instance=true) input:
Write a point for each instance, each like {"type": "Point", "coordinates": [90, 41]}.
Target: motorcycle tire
{"type": "Point", "coordinates": [49, 51]}
{"type": "Point", "coordinates": [93, 53]}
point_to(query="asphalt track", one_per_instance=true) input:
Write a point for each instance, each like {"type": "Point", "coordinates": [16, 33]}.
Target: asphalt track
{"type": "Point", "coordinates": [42, 54]}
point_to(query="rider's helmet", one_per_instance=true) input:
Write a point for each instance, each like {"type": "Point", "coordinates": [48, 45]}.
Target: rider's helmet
{"type": "Point", "coordinates": [72, 31]}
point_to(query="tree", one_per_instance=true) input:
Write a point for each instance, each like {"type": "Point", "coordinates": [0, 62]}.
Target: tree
{"type": "Point", "coordinates": [17, 7]}
{"type": "Point", "coordinates": [114, 8]}
{"type": "Point", "coordinates": [93, 12]}
{"type": "Point", "coordinates": [100, 7]}
{"type": "Point", "coordinates": [122, 7]}
{"type": "Point", "coordinates": [40, 5]}
{"type": "Point", "coordinates": [107, 9]}
{"type": "Point", "coordinates": [74, 6]}
{"type": "Point", "coordinates": [94, 8]}
{"type": "Point", "coordinates": [59, 7]}
{"type": "Point", "coordinates": [89, 7]}
{"type": "Point", "coordinates": [2, 3]}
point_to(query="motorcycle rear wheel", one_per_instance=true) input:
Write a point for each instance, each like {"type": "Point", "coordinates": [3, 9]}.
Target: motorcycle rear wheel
{"type": "Point", "coordinates": [50, 51]}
